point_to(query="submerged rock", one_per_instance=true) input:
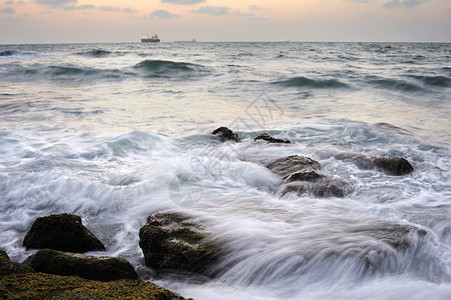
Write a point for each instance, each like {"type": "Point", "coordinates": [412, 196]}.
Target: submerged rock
{"type": "Point", "coordinates": [171, 242]}
{"type": "Point", "coordinates": [225, 134]}
{"type": "Point", "coordinates": [390, 165]}
{"type": "Point", "coordinates": [301, 175]}
{"type": "Point", "coordinates": [266, 137]}
{"type": "Point", "coordinates": [325, 187]}
{"type": "Point", "coordinates": [64, 232]}
{"type": "Point", "coordinates": [89, 267]}
{"type": "Point", "coordinates": [48, 286]}
{"type": "Point", "coordinates": [8, 267]}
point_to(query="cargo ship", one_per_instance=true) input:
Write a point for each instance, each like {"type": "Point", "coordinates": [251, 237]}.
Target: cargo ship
{"type": "Point", "coordinates": [150, 39]}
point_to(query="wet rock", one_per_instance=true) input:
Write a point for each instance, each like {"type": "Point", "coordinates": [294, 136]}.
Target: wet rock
{"type": "Point", "coordinates": [398, 236]}
{"type": "Point", "coordinates": [390, 165]}
{"type": "Point", "coordinates": [8, 267]}
{"type": "Point", "coordinates": [306, 175]}
{"type": "Point", "coordinates": [225, 134]}
{"type": "Point", "coordinates": [324, 187]}
{"type": "Point", "coordinates": [266, 137]}
{"type": "Point", "coordinates": [171, 242]}
{"type": "Point", "coordinates": [48, 286]}
{"type": "Point", "coordinates": [288, 165]}
{"type": "Point", "coordinates": [393, 165]}
{"type": "Point", "coordinates": [301, 175]}
{"type": "Point", "coordinates": [64, 232]}
{"type": "Point", "coordinates": [89, 267]}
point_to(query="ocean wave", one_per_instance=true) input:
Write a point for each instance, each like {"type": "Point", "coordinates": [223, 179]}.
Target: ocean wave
{"type": "Point", "coordinates": [7, 53]}
{"type": "Point", "coordinates": [22, 53]}
{"type": "Point", "coordinates": [312, 83]}
{"type": "Point", "coordinates": [96, 53]}
{"type": "Point", "coordinates": [436, 81]}
{"type": "Point", "coordinates": [167, 68]}
{"type": "Point", "coordinates": [394, 84]}
{"type": "Point", "coordinates": [77, 73]}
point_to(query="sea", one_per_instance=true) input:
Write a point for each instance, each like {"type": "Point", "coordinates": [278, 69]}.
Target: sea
{"type": "Point", "coordinates": [114, 132]}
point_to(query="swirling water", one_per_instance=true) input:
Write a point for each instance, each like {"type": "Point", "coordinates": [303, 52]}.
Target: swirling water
{"type": "Point", "coordinates": [113, 132]}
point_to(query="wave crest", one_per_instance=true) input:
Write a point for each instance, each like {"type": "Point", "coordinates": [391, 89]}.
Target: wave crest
{"type": "Point", "coordinates": [167, 68]}
{"type": "Point", "coordinates": [96, 53]}
{"type": "Point", "coordinates": [312, 83]}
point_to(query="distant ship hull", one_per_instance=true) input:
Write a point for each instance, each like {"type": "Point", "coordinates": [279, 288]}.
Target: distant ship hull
{"type": "Point", "coordinates": [150, 39]}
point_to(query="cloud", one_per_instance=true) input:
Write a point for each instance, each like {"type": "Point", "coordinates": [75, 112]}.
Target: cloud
{"type": "Point", "coordinates": [256, 7]}
{"type": "Point", "coordinates": [9, 2]}
{"type": "Point", "coordinates": [100, 8]}
{"type": "Point", "coordinates": [183, 2]}
{"type": "Point", "coordinates": [163, 14]}
{"type": "Point", "coordinates": [359, 1]}
{"type": "Point", "coordinates": [8, 10]}
{"type": "Point", "coordinates": [55, 2]}
{"type": "Point", "coordinates": [212, 10]}
{"type": "Point", "coordinates": [404, 3]}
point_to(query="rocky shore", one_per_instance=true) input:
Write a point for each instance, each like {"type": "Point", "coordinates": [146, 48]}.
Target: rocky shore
{"type": "Point", "coordinates": [173, 242]}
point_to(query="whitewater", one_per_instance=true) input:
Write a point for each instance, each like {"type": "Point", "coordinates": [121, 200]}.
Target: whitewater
{"type": "Point", "coordinates": [115, 132]}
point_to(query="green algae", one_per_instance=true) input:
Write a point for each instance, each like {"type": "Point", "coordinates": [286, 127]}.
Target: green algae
{"type": "Point", "coordinates": [48, 286]}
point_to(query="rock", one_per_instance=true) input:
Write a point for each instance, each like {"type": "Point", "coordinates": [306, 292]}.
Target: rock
{"type": "Point", "coordinates": [393, 165]}
{"type": "Point", "coordinates": [390, 165]}
{"type": "Point", "coordinates": [306, 175]}
{"type": "Point", "coordinates": [8, 267]}
{"type": "Point", "coordinates": [394, 234]}
{"type": "Point", "coordinates": [225, 134]}
{"type": "Point", "coordinates": [270, 139]}
{"type": "Point", "coordinates": [171, 242]}
{"type": "Point", "coordinates": [63, 232]}
{"type": "Point", "coordinates": [292, 164]}
{"type": "Point", "coordinates": [324, 187]}
{"type": "Point", "coordinates": [88, 267]}
{"type": "Point", "coordinates": [301, 175]}
{"type": "Point", "coordinates": [48, 286]}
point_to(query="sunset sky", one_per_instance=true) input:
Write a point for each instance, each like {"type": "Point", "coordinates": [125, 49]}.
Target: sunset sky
{"type": "Point", "coordinates": [66, 21]}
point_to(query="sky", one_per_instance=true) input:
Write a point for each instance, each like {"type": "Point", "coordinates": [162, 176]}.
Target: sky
{"type": "Point", "coordinates": [80, 21]}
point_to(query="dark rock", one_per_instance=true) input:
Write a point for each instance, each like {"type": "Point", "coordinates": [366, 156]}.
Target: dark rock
{"type": "Point", "coordinates": [63, 232]}
{"type": "Point", "coordinates": [171, 242]}
{"type": "Point", "coordinates": [8, 267]}
{"type": "Point", "coordinates": [225, 134]}
{"type": "Point", "coordinates": [48, 286]}
{"type": "Point", "coordinates": [302, 176]}
{"type": "Point", "coordinates": [292, 164]}
{"type": "Point", "coordinates": [325, 187]}
{"type": "Point", "coordinates": [390, 165]}
{"type": "Point", "coordinates": [306, 175]}
{"type": "Point", "coordinates": [393, 165]}
{"type": "Point", "coordinates": [270, 139]}
{"type": "Point", "coordinates": [89, 267]}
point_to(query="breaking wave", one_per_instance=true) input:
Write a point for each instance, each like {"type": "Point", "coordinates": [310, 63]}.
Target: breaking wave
{"type": "Point", "coordinates": [96, 53]}
{"type": "Point", "coordinates": [312, 83]}
{"type": "Point", "coordinates": [167, 68]}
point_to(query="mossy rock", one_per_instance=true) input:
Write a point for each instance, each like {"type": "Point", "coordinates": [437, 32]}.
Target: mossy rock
{"type": "Point", "coordinates": [63, 232]}
{"type": "Point", "coordinates": [8, 267]}
{"type": "Point", "coordinates": [47, 286]}
{"type": "Point", "coordinates": [170, 241]}
{"type": "Point", "coordinates": [89, 267]}
{"type": "Point", "coordinates": [291, 164]}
